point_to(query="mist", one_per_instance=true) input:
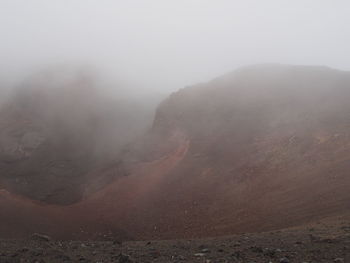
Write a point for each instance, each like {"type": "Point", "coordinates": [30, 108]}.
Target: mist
{"type": "Point", "coordinates": [221, 126]}
{"type": "Point", "coordinates": [161, 46]}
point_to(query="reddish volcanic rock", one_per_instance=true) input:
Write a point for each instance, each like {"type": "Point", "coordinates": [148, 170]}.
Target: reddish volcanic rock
{"type": "Point", "coordinates": [262, 148]}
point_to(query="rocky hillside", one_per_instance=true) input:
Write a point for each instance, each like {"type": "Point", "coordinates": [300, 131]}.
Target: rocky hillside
{"type": "Point", "coordinates": [56, 129]}
{"type": "Point", "coordinates": [261, 148]}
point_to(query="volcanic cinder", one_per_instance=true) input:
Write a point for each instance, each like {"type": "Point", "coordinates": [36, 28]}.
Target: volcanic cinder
{"type": "Point", "coordinates": [264, 147]}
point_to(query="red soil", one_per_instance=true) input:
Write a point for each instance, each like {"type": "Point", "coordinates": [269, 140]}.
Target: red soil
{"type": "Point", "coordinates": [224, 160]}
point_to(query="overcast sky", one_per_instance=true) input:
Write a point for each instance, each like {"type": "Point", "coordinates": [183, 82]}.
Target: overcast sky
{"type": "Point", "coordinates": [167, 44]}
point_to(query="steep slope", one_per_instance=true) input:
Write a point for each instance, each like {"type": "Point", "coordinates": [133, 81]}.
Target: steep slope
{"type": "Point", "coordinates": [57, 128]}
{"type": "Point", "coordinates": [264, 147]}
{"type": "Point", "coordinates": [268, 147]}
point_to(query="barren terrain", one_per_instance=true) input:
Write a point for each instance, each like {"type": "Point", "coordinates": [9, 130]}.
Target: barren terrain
{"type": "Point", "coordinates": [260, 149]}
{"type": "Point", "coordinates": [324, 241]}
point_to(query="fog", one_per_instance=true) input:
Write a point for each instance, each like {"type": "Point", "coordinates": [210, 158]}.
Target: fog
{"type": "Point", "coordinates": [161, 46]}
{"type": "Point", "coordinates": [184, 119]}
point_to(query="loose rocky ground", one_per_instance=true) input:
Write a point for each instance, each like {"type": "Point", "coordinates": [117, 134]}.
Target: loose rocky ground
{"type": "Point", "coordinates": [327, 241]}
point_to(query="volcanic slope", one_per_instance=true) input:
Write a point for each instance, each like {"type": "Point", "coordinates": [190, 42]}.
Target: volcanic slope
{"type": "Point", "coordinates": [57, 128]}
{"type": "Point", "coordinates": [264, 147]}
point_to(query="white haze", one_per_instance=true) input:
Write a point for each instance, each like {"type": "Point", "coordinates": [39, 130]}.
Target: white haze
{"type": "Point", "coordinates": [163, 45]}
